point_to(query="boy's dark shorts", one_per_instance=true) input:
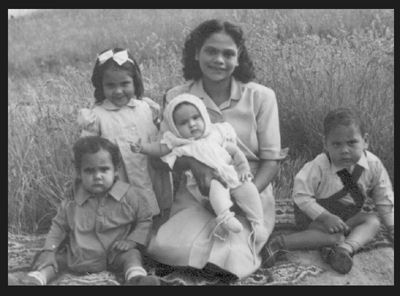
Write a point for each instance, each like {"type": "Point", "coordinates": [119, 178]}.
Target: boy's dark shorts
{"type": "Point", "coordinates": [336, 208]}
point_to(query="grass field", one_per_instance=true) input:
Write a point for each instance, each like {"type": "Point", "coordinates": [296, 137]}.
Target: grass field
{"type": "Point", "coordinates": [314, 60]}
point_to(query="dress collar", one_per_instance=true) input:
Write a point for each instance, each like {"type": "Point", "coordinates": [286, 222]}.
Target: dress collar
{"type": "Point", "coordinates": [106, 104]}
{"type": "Point", "coordinates": [198, 90]}
{"type": "Point", "coordinates": [117, 191]}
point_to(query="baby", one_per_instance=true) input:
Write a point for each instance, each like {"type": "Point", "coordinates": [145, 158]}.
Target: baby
{"type": "Point", "coordinates": [192, 134]}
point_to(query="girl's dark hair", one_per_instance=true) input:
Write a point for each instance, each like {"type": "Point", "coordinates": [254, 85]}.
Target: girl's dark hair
{"type": "Point", "coordinates": [132, 68]}
{"type": "Point", "coordinates": [91, 145]}
{"type": "Point", "coordinates": [342, 116]}
{"type": "Point", "coordinates": [195, 40]}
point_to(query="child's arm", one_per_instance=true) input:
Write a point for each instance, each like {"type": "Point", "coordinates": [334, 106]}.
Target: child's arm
{"type": "Point", "coordinates": [383, 196]}
{"type": "Point", "coordinates": [240, 161]}
{"type": "Point", "coordinates": [58, 231]}
{"type": "Point", "coordinates": [142, 224]}
{"type": "Point", "coordinates": [306, 183]}
{"type": "Point", "coordinates": [150, 149]}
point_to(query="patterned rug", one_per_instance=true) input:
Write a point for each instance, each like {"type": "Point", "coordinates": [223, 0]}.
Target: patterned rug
{"type": "Point", "coordinates": [21, 250]}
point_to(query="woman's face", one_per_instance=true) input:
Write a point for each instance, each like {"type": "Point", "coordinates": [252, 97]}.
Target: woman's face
{"type": "Point", "coordinates": [218, 57]}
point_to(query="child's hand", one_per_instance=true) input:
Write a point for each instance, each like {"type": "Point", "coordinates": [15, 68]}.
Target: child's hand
{"type": "Point", "coordinates": [137, 147]}
{"type": "Point", "coordinates": [245, 176]}
{"type": "Point", "coordinates": [47, 258]}
{"type": "Point", "coordinates": [333, 223]}
{"type": "Point", "coordinates": [124, 245]}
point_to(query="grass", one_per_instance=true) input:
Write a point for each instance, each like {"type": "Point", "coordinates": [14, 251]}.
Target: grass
{"type": "Point", "coordinates": [314, 60]}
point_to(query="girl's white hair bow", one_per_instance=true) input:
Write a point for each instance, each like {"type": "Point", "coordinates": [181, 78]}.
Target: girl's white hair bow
{"type": "Point", "coordinates": [120, 57]}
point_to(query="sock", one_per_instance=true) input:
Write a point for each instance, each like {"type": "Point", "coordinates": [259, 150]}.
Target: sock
{"type": "Point", "coordinates": [134, 271]}
{"type": "Point", "coordinates": [39, 276]}
{"type": "Point", "coordinates": [351, 246]}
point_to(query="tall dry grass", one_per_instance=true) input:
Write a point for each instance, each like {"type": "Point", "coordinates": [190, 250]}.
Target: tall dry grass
{"type": "Point", "coordinates": [314, 60]}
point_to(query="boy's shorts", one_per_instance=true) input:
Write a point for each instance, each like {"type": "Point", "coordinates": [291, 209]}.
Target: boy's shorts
{"type": "Point", "coordinates": [345, 212]}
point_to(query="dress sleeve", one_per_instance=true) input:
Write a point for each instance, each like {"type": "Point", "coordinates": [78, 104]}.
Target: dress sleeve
{"type": "Point", "coordinates": [155, 110]}
{"type": "Point", "coordinates": [143, 222]}
{"type": "Point", "coordinates": [382, 194]}
{"type": "Point", "coordinates": [88, 122]}
{"type": "Point", "coordinates": [268, 130]}
{"type": "Point", "coordinates": [59, 227]}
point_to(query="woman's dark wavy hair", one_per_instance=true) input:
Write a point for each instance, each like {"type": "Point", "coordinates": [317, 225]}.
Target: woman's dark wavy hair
{"type": "Point", "coordinates": [133, 70]}
{"type": "Point", "coordinates": [191, 69]}
{"type": "Point", "coordinates": [91, 145]}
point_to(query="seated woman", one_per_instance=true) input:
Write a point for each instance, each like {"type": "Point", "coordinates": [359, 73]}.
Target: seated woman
{"type": "Point", "coordinates": [219, 71]}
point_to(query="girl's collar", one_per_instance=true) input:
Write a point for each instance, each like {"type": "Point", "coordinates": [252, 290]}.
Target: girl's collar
{"type": "Point", "coordinates": [106, 104]}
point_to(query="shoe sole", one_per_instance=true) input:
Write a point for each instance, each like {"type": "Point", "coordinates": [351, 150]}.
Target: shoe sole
{"type": "Point", "coordinates": [341, 262]}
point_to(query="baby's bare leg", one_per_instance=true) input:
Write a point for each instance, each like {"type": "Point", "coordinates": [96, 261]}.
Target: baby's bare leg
{"type": "Point", "coordinates": [221, 202]}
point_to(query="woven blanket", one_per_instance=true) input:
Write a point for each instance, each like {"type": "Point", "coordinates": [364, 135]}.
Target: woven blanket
{"type": "Point", "coordinates": [297, 268]}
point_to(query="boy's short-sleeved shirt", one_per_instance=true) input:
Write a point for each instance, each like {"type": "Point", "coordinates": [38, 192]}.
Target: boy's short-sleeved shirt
{"type": "Point", "coordinates": [318, 179]}
{"type": "Point", "coordinates": [92, 224]}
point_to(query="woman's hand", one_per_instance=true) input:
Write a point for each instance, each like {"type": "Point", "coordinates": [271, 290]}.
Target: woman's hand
{"type": "Point", "coordinates": [245, 176]}
{"type": "Point", "coordinates": [203, 174]}
{"type": "Point", "coordinates": [47, 258]}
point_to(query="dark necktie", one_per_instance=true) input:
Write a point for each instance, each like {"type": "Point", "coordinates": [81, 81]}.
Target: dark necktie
{"type": "Point", "coordinates": [350, 184]}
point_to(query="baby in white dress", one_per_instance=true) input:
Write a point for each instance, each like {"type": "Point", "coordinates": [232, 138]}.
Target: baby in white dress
{"type": "Point", "coordinates": [192, 134]}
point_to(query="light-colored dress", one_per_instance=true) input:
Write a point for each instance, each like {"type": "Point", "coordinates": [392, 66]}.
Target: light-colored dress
{"type": "Point", "coordinates": [186, 238]}
{"type": "Point", "coordinates": [122, 126]}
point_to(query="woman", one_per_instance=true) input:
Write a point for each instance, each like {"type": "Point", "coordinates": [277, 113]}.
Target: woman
{"type": "Point", "coordinates": [218, 70]}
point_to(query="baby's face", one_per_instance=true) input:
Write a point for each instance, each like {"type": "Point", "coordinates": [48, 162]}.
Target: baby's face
{"type": "Point", "coordinates": [189, 121]}
{"type": "Point", "coordinates": [97, 172]}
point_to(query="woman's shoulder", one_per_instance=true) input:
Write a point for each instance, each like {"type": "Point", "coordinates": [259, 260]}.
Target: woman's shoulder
{"type": "Point", "coordinates": [260, 88]}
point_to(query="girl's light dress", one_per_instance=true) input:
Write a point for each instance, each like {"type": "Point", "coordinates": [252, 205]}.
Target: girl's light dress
{"type": "Point", "coordinates": [122, 126]}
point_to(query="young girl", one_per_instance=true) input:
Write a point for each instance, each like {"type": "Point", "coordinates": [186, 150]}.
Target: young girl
{"type": "Point", "coordinates": [121, 114]}
{"type": "Point", "coordinates": [194, 135]}
{"type": "Point", "coordinates": [104, 225]}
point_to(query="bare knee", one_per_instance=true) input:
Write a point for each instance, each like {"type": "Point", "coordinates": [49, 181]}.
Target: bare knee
{"type": "Point", "coordinates": [373, 221]}
{"type": "Point", "coordinates": [335, 238]}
